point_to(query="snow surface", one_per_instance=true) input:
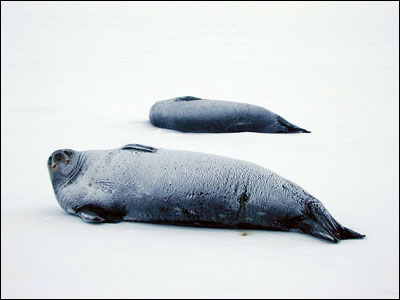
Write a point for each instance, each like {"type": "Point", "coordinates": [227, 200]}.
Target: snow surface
{"type": "Point", "coordinates": [84, 76]}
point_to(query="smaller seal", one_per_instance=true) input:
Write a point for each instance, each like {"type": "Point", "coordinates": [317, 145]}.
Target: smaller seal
{"type": "Point", "coordinates": [192, 114]}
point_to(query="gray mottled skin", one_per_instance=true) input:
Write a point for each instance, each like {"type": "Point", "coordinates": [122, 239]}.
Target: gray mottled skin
{"type": "Point", "coordinates": [191, 114]}
{"type": "Point", "coordinates": [144, 184]}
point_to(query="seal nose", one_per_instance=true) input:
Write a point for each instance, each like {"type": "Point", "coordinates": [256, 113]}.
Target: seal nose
{"type": "Point", "coordinates": [63, 155]}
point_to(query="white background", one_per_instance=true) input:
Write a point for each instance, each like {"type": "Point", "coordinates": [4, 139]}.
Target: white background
{"type": "Point", "coordinates": [84, 75]}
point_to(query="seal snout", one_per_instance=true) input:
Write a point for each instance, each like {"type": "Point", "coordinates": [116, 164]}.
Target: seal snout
{"type": "Point", "coordinates": [59, 155]}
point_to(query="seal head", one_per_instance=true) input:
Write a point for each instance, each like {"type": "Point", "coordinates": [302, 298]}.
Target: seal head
{"type": "Point", "coordinates": [63, 165]}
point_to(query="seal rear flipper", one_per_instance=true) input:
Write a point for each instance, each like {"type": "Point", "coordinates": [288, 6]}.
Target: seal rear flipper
{"type": "Point", "coordinates": [311, 227]}
{"type": "Point", "coordinates": [346, 233]}
{"type": "Point", "coordinates": [319, 214]}
{"type": "Point", "coordinates": [289, 127]}
{"type": "Point", "coordinates": [139, 147]}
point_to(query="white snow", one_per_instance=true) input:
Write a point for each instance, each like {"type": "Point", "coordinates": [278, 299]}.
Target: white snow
{"type": "Point", "coordinates": [84, 76]}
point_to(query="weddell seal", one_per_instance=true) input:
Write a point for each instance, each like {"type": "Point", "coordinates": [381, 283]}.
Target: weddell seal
{"type": "Point", "coordinates": [144, 184]}
{"type": "Point", "coordinates": [191, 114]}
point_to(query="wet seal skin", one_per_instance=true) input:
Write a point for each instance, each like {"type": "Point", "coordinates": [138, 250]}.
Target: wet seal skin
{"type": "Point", "coordinates": [145, 184]}
{"type": "Point", "coordinates": [192, 114]}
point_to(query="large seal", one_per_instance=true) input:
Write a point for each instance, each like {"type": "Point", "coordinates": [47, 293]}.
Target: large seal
{"type": "Point", "coordinates": [191, 114]}
{"type": "Point", "coordinates": [145, 184]}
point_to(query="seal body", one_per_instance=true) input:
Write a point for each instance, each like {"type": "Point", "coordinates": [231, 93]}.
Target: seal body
{"type": "Point", "coordinates": [191, 114]}
{"type": "Point", "coordinates": [145, 184]}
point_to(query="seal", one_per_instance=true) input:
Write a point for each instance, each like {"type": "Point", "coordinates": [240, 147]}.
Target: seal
{"type": "Point", "coordinates": [145, 184]}
{"type": "Point", "coordinates": [191, 114]}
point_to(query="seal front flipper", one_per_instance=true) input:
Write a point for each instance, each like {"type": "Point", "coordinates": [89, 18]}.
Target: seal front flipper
{"type": "Point", "coordinates": [93, 213]}
{"type": "Point", "coordinates": [90, 216]}
{"type": "Point", "coordinates": [139, 147]}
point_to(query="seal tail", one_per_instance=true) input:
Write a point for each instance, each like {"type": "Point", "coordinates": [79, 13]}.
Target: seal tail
{"type": "Point", "coordinates": [289, 127]}
{"type": "Point", "coordinates": [330, 226]}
